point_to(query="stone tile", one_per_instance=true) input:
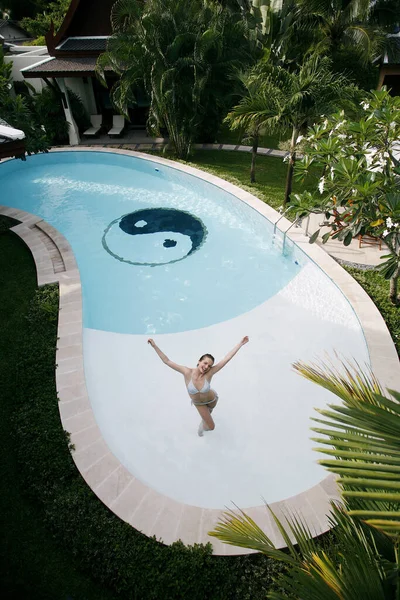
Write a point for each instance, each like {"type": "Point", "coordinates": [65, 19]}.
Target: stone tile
{"type": "Point", "coordinates": [167, 522]}
{"type": "Point", "coordinates": [209, 519]}
{"type": "Point", "coordinates": [189, 525]}
{"type": "Point", "coordinates": [69, 317]}
{"type": "Point", "coordinates": [75, 407]}
{"type": "Point", "coordinates": [112, 487]}
{"type": "Point", "coordinates": [147, 511]}
{"type": "Point", "coordinates": [129, 499]}
{"type": "Point", "coordinates": [101, 471]}
{"type": "Point", "coordinates": [86, 437]}
{"type": "Point", "coordinates": [70, 364]}
{"type": "Point", "coordinates": [68, 352]}
{"type": "Point", "coordinates": [89, 456]}
{"type": "Point", "coordinates": [69, 379]}
{"type": "Point", "coordinates": [69, 328]}
{"type": "Point", "coordinates": [71, 392]}
{"type": "Point", "coordinates": [78, 422]}
{"type": "Point", "coordinates": [71, 339]}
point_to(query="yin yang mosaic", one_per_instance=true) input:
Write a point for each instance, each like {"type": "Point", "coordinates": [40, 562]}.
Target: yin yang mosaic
{"type": "Point", "coordinates": [154, 236]}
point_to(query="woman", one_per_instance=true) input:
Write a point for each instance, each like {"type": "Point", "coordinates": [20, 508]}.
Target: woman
{"type": "Point", "coordinates": [198, 381]}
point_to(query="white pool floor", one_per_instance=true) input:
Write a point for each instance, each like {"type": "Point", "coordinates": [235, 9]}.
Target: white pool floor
{"type": "Point", "coordinates": [261, 447]}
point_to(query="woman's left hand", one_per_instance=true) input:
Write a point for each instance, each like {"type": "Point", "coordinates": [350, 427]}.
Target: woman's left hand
{"type": "Point", "coordinates": [244, 340]}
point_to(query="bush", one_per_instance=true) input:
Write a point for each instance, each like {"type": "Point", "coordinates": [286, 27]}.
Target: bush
{"type": "Point", "coordinates": [109, 549]}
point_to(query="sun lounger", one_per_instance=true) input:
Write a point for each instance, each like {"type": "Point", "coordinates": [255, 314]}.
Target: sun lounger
{"type": "Point", "coordinates": [96, 125]}
{"type": "Point", "coordinates": [118, 125]}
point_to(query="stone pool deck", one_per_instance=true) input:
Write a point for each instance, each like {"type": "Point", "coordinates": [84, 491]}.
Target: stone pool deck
{"type": "Point", "coordinates": [142, 507]}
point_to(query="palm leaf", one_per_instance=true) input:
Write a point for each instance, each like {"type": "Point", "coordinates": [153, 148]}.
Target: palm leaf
{"type": "Point", "coordinates": [364, 437]}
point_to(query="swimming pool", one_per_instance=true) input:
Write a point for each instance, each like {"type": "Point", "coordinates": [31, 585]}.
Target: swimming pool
{"type": "Point", "coordinates": [165, 253]}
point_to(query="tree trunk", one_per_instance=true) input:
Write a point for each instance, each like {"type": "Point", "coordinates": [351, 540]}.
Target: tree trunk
{"type": "Point", "coordinates": [253, 159]}
{"type": "Point", "coordinates": [393, 287]}
{"type": "Point", "coordinates": [292, 161]}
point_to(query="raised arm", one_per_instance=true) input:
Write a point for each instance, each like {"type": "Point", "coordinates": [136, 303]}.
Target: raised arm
{"type": "Point", "coordinates": [165, 359]}
{"type": "Point", "coordinates": [221, 364]}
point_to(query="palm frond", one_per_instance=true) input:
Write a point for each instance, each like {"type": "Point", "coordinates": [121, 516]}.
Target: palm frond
{"type": "Point", "coordinates": [363, 436]}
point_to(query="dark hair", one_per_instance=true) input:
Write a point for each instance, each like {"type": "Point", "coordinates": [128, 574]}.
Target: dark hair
{"type": "Point", "coordinates": [210, 356]}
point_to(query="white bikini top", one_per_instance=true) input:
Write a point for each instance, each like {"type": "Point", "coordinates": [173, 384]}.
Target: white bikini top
{"type": "Point", "coordinates": [193, 390]}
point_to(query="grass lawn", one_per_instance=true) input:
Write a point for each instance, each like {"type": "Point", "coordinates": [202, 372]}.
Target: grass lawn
{"type": "Point", "coordinates": [226, 136]}
{"type": "Point", "coordinates": [235, 167]}
{"type": "Point", "coordinates": [32, 564]}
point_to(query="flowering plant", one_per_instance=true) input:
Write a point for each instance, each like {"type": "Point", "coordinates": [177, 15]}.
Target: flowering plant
{"type": "Point", "coordinates": [359, 189]}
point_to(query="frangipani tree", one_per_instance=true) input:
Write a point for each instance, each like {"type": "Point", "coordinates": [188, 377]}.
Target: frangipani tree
{"type": "Point", "coordinates": [361, 439]}
{"type": "Point", "coordinates": [359, 190]}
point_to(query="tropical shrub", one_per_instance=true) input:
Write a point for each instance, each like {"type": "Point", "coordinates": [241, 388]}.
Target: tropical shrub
{"type": "Point", "coordinates": [17, 113]}
{"type": "Point", "coordinates": [183, 54]}
{"type": "Point", "coordinates": [358, 191]}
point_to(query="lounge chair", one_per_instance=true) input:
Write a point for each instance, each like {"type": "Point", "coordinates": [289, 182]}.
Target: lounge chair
{"type": "Point", "coordinates": [96, 125]}
{"type": "Point", "coordinates": [118, 125]}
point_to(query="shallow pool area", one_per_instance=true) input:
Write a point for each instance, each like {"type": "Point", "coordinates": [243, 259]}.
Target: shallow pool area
{"type": "Point", "coordinates": [163, 253]}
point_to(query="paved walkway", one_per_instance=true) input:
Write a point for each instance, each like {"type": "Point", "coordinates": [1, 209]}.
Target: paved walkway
{"type": "Point", "coordinates": [138, 140]}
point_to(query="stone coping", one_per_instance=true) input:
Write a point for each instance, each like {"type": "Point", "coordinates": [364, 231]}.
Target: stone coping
{"type": "Point", "coordinates": [139, 505]}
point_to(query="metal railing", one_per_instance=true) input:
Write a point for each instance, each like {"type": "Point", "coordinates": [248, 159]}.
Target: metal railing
{"type": "Point", "coordinates": [281, 217]}
{"type": "Point", "coordinates": [294, 224]}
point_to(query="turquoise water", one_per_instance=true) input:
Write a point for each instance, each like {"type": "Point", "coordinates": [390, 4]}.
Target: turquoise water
{"type": "Point", "coordinates": [194, 256]}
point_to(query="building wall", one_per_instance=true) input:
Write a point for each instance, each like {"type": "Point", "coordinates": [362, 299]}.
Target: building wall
{"type": "Point", "coordinates": [84, 88]}
{"type": "Point", "coordinates": [21, 59]}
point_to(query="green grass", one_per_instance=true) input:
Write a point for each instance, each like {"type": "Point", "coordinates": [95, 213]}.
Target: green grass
{"type": "Point", "coordinates": [378, 289]}
{"type": "Point", "coordinates": [32, 564]}
{"type": "Point", "coordinates": [227, 136]}
{"type": "Point", "coordinates": [235, 167]}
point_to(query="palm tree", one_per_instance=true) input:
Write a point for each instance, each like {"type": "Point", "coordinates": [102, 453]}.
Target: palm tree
{"type": "Point", "coordinates": [336, 24]}
{"type": "Point", "coordinates": [363, 439]}
{"type": "Point", "coordinates": [237, 119]}
{"type": "Point", "coordinates": [356, 29]}
{"type": "Point", "coordinates": [290, 100]}
{"type": "Point", "coordinates": [182, 53]}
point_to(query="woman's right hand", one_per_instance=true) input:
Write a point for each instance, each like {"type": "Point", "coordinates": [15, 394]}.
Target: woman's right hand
{"type": "Point", "coordinates": [151, 342]}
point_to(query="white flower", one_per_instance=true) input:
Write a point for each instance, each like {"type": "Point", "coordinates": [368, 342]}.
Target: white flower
{"type": "Point", "coordinates": [354, 192]}
{"type": "Point", "coordinates": [325, 123]}
{"type": "Point", "coordinates": [300, 138]}
{"type": "Point", "coordinates": [389, 222]}
{"type": "Point", "coordinates": [321, 185]}
{"type": "Point", "coordinates": [385, 233]}
{"type": "Point", "coordinates": [342, 136]}
{"type": "Point", "coordinates": [364, 104]}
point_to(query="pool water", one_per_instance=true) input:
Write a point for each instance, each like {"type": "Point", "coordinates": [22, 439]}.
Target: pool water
{"type": "Point", "coordinates": [195, 257]}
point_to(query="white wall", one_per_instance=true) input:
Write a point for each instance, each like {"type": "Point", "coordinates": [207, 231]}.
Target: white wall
{"type": "Point", "coordinates": [25, 57]}
{"type": "Point", "coordinates": [84, 91]}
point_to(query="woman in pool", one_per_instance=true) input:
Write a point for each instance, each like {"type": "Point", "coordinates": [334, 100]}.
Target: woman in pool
{"type": "Point", "coordinates": [198, 381]}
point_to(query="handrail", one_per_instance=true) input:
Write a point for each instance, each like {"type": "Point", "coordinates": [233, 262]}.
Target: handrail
{"type": "Point", "coordinates": [281, 217]}
{"type": "Point", "coordinates": [285, 233]}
